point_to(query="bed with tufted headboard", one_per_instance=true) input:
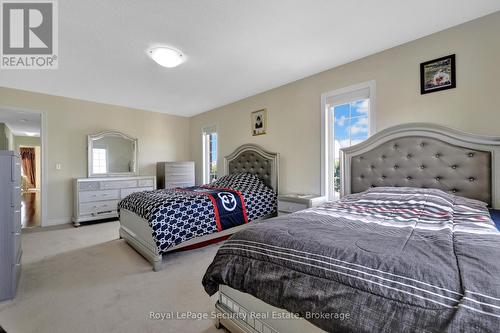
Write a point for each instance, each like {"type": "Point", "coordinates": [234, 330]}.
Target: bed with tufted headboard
{"type": "Point", "coordinates": [425, 156]}
{"type": "Point", "coordinates": [410, 238]}
{"type": "Point", "coordinates": [253, 159]}
{"type": "Point", "coordinates": [158, 222]}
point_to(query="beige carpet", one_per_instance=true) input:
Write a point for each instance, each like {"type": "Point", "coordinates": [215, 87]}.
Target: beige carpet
{"type": "Point", "coordinates": [87, 280]}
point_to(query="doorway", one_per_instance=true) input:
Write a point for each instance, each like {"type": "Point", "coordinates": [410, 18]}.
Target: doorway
{"type": "Point", "coordinates": [30, 181]}
{"type": "Point", "coordinates": [21, 133]}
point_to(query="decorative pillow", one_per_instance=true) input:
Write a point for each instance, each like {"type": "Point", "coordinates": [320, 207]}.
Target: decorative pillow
{"type": "Point", "coordinates": [242, 181]}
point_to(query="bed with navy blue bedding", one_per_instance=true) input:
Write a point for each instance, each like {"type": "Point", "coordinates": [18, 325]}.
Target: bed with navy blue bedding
{"type": "Point", "coordinates": [495, 216]}
{"type": "Point", "coordinates": [180, 214]}
{"type": "Point", "coordinates": [394, 259]}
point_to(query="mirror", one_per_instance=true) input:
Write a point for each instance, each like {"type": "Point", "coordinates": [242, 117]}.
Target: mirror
{"type": "Point", "coordinates": [111, 154]}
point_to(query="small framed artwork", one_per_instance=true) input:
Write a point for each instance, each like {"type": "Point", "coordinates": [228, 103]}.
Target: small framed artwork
{"type": "Point", "coordinates": [259, 122]}
{"type": "Point", "coordinates": [438, 74]}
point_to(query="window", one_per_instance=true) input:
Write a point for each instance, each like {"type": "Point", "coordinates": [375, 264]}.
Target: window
{"type": "Point", "coordinates": [348, 115]}
{"type": "Point", "coordinates": [209, 154]}
{"type": "Point", "coordinates": [99, 160]}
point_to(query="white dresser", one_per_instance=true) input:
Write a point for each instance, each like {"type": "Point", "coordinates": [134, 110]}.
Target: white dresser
{"type": "Point", "coordinates": [97, 198]}
{"type": "Point", "coordinates": [175, 174]}
{"type": "Point", "coordinates": [10, 224]}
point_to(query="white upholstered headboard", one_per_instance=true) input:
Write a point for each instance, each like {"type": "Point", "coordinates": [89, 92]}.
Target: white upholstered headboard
{"type": "Point", "coordinates": [428, 156]}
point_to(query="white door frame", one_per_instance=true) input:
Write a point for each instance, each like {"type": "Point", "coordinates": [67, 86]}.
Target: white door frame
{"type": "Point", "coordinates": [44, 162]}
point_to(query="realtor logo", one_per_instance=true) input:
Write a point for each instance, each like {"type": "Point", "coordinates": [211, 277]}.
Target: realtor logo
{"type": "Point", "coordinates": [29, 34]}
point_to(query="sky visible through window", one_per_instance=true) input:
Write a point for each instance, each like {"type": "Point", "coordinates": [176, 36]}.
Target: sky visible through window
{"type": "Point", "coordinates": [351, 126]}
{"type": "Point", "coordinates": [213, 156]}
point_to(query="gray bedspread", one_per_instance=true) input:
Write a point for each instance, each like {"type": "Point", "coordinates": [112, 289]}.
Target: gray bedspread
{"type": "Point", "coordinates": [394, 259]}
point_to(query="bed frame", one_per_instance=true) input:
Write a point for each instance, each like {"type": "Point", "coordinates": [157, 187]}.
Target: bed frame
{"type": "Point", "coordinates": [246, 158]}
{"type": "Point", "coordinates": [425, 156]}
{"type": "Point", "coordinates": [413, 155]}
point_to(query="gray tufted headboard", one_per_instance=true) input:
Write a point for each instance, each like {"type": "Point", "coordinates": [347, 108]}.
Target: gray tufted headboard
{"type": "Point", "coordinates": [425, 156]}
{"type": "Point", "coordinates": [255, 160]}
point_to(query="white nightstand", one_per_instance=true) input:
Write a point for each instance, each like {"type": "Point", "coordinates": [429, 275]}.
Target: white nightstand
{"type": "Point", "coordinates": [290, 203]}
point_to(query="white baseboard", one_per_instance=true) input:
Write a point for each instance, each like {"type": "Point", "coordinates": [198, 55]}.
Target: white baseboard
{"type": "Point", "coordinates": [57, 221]}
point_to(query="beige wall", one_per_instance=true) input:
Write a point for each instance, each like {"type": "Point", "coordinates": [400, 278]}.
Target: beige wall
{"type": "Point", "coordinates": [3, 137]}
{"type": "Point", "coordinates": [35, 142]}
{"type": "Point", "coordinates": [6, 138]}
{"type": "Point", "coordinates": [294, 109]}
{"type": "Point", "coordinates": [26, 141]}
{"type": "Point", "coordinates": [10, 138]}
{"type": "Point", "coordinates": [294, 113]}
{"type": "Point", "coordinates": [69, 121]}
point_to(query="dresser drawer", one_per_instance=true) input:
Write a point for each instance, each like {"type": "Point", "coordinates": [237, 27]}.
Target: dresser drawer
{"type": "Point", "coordinates": [90, 196]}
{"type": "Point", "coordinates": [16, 170]}
{"type": "Point", "coordinates": [290, 207]}
{"type": "Point", "coordinates": [117, 184]}
{"type": "Point", "coordinates": [88, 186]}
{"type": "Point", "coordinates": [98, 207]}
{"type": "Point", "coordinates": [16, 274]}
{"type": "Point", "coordinates": [16, 220]}
{"type": "Point", "coordinates": [17, 247]}
{"type": "Point", "coordinates": [15, 197]}
{"type": "Point", "coordinates": [180, 177]}
{"type": "Point", "coordinates": [145, 183]}
{"type": "Point", "coordinates": [178, 184]}
{"type": "Point", "coordinates": [180, 166]}
{"type": "Point", "coordinates": [128, 191]}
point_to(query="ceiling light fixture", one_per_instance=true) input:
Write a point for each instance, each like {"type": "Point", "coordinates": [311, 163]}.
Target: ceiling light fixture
{"type": "Point", "coordinates": [31, 134]}
{"type": "Point", "coordinates": [166, 56]}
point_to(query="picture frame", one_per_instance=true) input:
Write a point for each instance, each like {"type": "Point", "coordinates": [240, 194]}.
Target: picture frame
{"type": "Point", "coordinates": [258, 122]}
{"type": "Point", "coordinates": [438, 74]}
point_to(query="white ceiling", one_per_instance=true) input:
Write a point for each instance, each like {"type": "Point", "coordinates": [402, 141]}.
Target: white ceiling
{"type": "Point", "coordinates": [234, 48]}
{"type": "Point", "coordinates": [21, 123]}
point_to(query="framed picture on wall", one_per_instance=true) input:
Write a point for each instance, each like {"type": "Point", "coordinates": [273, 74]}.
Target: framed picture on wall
{"type": "Point", "coordinates": [259, 122]}
{"type": "Point", "coordinates": [438, 74]}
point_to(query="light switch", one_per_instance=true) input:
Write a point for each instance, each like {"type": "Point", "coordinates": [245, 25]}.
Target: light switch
{"type": "Point", "coordinates": [58, 166]}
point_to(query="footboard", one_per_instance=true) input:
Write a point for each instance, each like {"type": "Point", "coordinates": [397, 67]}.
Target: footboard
{"type": "Point", "coordinates": [242, 313]}
{"type": "Point", "coordinates": [137, 232]}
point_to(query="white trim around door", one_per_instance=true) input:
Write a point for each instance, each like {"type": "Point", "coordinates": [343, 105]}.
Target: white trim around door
{"type": "Point", "coordinates": [44, 163]}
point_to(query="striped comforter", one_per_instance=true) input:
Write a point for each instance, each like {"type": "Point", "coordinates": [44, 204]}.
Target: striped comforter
{"type": "Point", "coordinates": [394, 259]}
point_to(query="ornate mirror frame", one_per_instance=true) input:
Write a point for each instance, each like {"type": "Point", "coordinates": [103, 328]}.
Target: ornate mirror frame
{"type": "Point", "coordinates": [90, 140]}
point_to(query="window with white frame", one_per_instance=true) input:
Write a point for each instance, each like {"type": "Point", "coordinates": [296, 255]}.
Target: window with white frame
{"type": "Point", "coordinates": [349, 118]}
{"type": "Point", "coordinates": [99, 160]}
{"type": "Point", "coordinates": [209, 154]}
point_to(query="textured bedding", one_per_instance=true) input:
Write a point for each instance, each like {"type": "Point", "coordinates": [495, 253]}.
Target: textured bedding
{"type": "Point", "coordinates": [394, 259]}
{"type": "Point", "coordinates": [177, 215]}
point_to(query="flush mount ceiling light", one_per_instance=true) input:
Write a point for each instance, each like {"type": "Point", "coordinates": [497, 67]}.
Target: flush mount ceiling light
{"type": "Point", "coordinates": [166, 56]}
